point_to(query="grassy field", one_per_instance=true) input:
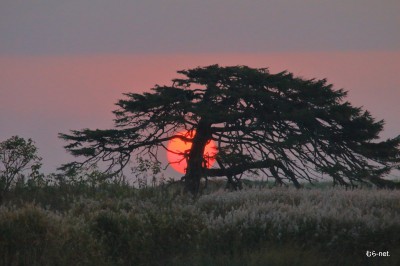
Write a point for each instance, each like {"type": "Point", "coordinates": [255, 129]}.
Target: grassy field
{"type": "Point", "coordinates": [114, 224]}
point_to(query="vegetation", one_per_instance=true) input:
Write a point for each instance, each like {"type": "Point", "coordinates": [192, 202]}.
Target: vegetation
{"type": "Point", "coordinates": [285, 128]}
{"type": "Point", "coordinates": [18, 160]}
{"type": "Point", "coordinates": [108, 223]}
{"type": "Point", "coordinates": [277, 125]}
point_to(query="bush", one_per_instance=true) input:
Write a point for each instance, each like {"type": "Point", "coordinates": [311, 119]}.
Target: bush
{"type": "Point", "coordinates": [33, 236]}
{"type": "Point", "coordinates": [155, 227]}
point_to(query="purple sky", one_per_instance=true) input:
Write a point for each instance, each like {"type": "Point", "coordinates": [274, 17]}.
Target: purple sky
{"type": "Point", "coordinates": [64, 64]}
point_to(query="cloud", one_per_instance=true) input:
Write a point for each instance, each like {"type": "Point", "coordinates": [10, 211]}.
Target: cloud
{"type": "Point", "coordinates": [191, 26]}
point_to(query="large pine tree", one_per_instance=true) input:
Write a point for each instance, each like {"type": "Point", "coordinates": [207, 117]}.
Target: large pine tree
{"type": "Point", "coordinates": [286, 127]}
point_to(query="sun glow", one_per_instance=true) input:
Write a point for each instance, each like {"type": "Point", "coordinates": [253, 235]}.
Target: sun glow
{"type": "Point", "coordinates": [179, 149]}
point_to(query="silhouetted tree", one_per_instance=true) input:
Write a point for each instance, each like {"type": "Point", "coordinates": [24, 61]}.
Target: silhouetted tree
{"type": "Point", "coordinates": [18, 159]}
{"type": "Point", "coordinates": [288, 127]}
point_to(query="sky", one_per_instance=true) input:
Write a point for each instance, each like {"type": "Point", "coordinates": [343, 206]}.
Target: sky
{"type": "Point", "coordinates": [63, 64]}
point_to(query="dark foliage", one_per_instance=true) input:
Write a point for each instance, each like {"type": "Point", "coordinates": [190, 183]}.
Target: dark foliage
{"type": "Point", "coordinates": [283, 126]}
{"type": "Point", "coordinates": [18, 161]}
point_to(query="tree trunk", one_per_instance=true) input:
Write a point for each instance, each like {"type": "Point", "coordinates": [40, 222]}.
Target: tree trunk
{"type": "Point", "coordinates": [196, 164]}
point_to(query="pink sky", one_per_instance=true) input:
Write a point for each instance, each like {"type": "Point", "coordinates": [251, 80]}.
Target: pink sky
{"type": "Point", "coordinates": [63, 64]}
{"type": "Point", "coordinates": [42, 96]}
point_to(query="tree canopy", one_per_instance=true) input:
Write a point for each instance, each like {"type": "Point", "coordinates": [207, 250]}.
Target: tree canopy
{"type": "Point", "coordinates": [17, 156]}
{"type": "Point", "coordinates": [285, 127]}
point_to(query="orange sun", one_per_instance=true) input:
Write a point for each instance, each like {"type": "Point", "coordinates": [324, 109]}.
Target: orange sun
{"type": "Point", "coordinates": [177, 148]}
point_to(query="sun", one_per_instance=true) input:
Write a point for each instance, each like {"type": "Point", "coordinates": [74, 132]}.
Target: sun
{"type": "Point", "coordinates": [177, 148]}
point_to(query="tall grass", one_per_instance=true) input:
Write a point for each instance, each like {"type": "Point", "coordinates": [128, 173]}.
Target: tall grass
{"type": "Point", "coordinates": [118, 225]}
